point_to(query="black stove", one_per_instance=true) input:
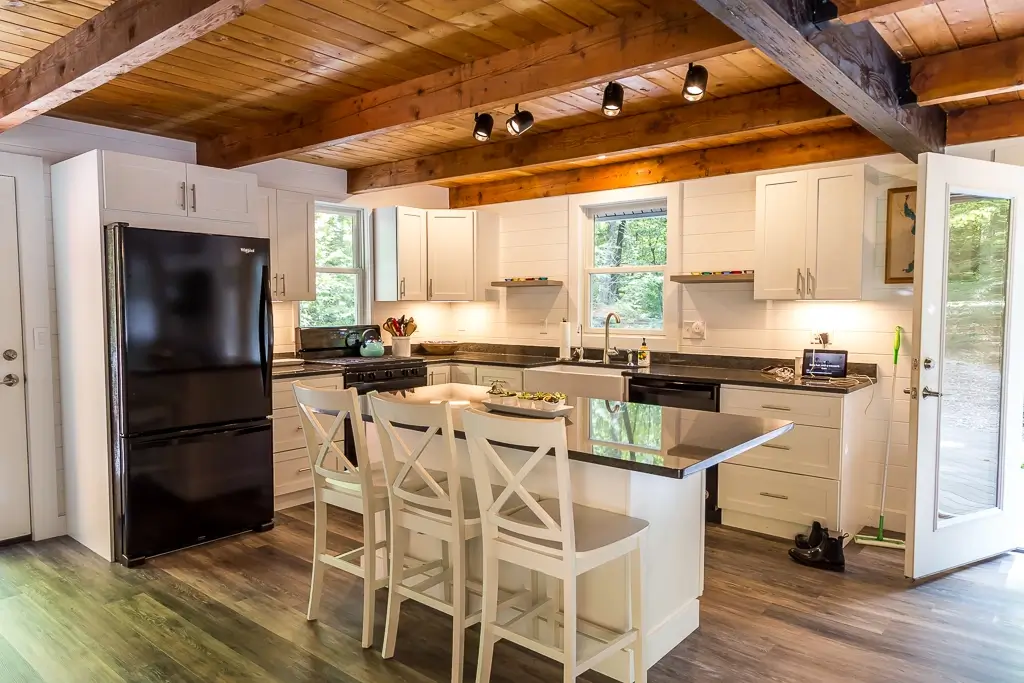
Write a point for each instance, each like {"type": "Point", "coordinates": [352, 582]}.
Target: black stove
{"type": "Point", "coordinates": [339, 347]}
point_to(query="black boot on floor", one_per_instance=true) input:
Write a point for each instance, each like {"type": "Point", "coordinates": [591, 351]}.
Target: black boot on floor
{"type": "Point", "coordinates": [813, 539]}
{"type": "Point", "coordinates": [828, 554]}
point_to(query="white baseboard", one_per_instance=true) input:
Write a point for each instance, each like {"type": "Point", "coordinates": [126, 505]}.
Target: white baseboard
{"type": "Point", "coordinates": [290, 500]}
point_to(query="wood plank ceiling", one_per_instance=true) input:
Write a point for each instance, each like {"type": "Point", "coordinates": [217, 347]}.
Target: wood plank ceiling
{"type": "Point", "coordinates": [292, 56]}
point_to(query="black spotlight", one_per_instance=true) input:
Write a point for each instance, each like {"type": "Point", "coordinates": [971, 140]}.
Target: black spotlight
{"type": "Point", "coordinates": [483, 127]}
{"type": "Point", "coordinates": [519, 122]}
{"type": "Point", "coordinates": [613, 97]}
{"type": "Point", "coordinates": [696, 83]}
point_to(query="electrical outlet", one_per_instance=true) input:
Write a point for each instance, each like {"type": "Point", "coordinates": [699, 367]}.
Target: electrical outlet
{"type": "Point", "coordinates": [694, 329]}
{"type": "Point", "coordinates": [821, 338]}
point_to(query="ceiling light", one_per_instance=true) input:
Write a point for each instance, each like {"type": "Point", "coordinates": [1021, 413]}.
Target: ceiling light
{"type": "Point", "coordinates": [613, 97]}
{"type": "Point", "coordinates": [483, 127]}
{"type": "Point", "coordinates": [520, 122]}
{"type": "Point", "coordinates": [696, 83]}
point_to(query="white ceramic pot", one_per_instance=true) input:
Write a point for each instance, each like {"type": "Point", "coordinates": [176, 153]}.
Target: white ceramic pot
{"type": "Point", "coordinates": [401, 346]}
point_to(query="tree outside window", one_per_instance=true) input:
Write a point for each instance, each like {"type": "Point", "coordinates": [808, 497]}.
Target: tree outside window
{"type": "Point", "coordinates": [626, 272]}
{"type": "Point", "coordinates": [340, 278]}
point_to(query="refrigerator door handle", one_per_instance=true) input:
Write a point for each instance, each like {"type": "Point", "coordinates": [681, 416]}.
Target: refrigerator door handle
{"type": "Point", "coordinates": [266, 331]}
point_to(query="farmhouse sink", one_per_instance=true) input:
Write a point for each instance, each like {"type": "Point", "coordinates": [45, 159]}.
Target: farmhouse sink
{"type": "Point", "coordinates": [578, 380]}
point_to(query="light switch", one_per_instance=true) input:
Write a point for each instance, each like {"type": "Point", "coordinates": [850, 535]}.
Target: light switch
{"type": "Point", "coordinates": [40, 335]}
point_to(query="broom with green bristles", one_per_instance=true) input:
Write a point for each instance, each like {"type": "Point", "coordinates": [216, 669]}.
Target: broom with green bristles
{"type": "Point", "coordinates": [879, 539]}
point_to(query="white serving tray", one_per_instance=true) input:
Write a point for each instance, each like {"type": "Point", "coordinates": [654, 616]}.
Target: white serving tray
{"type": "Point", "coordinates": [525, 407]}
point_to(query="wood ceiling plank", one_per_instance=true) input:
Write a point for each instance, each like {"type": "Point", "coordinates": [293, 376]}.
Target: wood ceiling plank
{"type": "Point", "coordinates": [195, 57]}
{"type": "Point", "coordinates": [855, 11]}
{"type": "Point", "coordinates": [896, 35]}
{"type": "Point", "coordinates": [851, 66]}
{"type": "Point", "coordinates": [124, 36]}
{"type": "Point", "coordinates": [742, 158]}
{"type": "Point", "coordinates": [969, 22]}
{"type": "Point", "coordinates": [711, 119]}
{"type": "Point", "coordinates": [927, 27]}
{"type": "Point", "coordinates": [974, 72]}
{"type": "Point", "coordinates": [583, 11]}
{"type": "Point", "coordinates": [1007, 17]}
{"type": "Point", "coordinates": [993, 122]}
{"type": "Point", "coordinates": [566, 62]}
{"type": "Point", "coordinates": [544, 13]}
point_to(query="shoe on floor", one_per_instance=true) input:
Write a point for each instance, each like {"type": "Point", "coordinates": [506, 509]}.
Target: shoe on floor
{"type": "Point", "coordinates": [812, 539]}
{"type": "Point", "coordinates": [828, 554]}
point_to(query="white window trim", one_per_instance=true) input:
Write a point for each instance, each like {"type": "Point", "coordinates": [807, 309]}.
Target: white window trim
{"type": "Point", "coordinates": [359, 257]}
{"type": "Point", "coordinates": [589, 269]}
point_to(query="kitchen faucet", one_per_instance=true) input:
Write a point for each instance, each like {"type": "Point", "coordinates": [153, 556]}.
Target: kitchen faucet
{"type": "Point", "coordinates": [607, 322]}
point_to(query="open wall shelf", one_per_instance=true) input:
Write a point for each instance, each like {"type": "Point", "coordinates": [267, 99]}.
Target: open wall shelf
{"type": "Point", "coordinates": [732, 277]}
{"type": "Point", "coordinates": [528, 283]}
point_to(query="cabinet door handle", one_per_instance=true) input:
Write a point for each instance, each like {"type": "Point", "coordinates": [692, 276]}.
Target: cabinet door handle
{"type": "Point", "coordinates": [810, 289]}
{"type": "Point", "coordinates": [777, 496]}
{"type": "Point", "coordinates": [768, 406]}
{"type": "Point", "coordinates": [184, 196]}
{"type": "Point", "coordinates": [284, 286]}
{"type": "Point", "coordinates": [401, 289]}
{"type": "Point", "coordinates": [800, 283]}
{"type": "Point", "coordinates": [776, 446]}
{"type": "Point", "coordinates": [430, 288]}
{"type": "Point", "coordinates": [275, 284]}
{"type": "Point", "coordinates": [304, 469]}
{"type": "Point", "coordinates": [193, 197]}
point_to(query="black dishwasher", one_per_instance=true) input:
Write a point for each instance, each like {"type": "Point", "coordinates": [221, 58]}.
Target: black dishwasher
{"type": "Point", "coordinates": [682, 394]}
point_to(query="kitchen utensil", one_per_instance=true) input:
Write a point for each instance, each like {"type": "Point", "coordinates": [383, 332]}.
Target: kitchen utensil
{"type": "Point", "coordinates": [440, 348]}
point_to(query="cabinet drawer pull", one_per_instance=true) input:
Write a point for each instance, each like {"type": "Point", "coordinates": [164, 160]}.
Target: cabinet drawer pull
{"type": "Point", "coordinates": [776, 446]}
{"type": "Point", "coordinates": [401, 289]}
{"type": "Point", "coordinates": [284, 286]}
{"type": "Point", "coordinates": [184, 196]}
{"type": "Point", "coordinates": [769, 406]}
{"type": "Point", "coordinates": [193, 197]}
{"type": "Point", "coordinates": [430, 288]}
{"type": "Point", "coordinates": [304, 469]}
{"type": "Point", "coordinates": [778, 496]}
{"type": "Point", "coordinates": [275, 285]}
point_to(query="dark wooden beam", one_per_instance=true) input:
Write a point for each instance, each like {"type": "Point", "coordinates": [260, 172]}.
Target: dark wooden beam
{"type": "Point", "coordinates": [851, 66]}
{"type": "Point", "coordinates": [706, 121]}
{"type": "Point", "coordinates": [763, 155]}
{"type": "Point", "coordinates": [127, 34]}
{"type": "Point", "coordinates": [979, 124]}
{"type": "Point", "coordinates": [639, 43]}
{"type": "Point", "coordinates": [974, 72]}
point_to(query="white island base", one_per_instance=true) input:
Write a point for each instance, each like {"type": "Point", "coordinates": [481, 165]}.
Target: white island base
{"type": "Point", "coordinates": [673, 556]}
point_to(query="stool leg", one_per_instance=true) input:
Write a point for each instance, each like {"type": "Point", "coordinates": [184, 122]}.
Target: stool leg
{"type": "Point", "coordinates": [489, 614]}
{"type": "Point", "coordinates": [569, 630]}
{"type": "Point", "coordinates": [316, 585]}
{"type": "Point", "coordinates": [636, 609]}
{"type": "Point", "coordinates": [369, 574]}
{"type": "Point", "coordinates": [457, 556]}
{"type": "Point", "coordinates": [446, 561]}
{"type": "Point", "coordinates": [399, 542]}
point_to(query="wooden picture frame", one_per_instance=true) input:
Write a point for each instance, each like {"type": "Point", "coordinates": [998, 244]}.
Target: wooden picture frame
{"type": "Point", "coordinates": [900, 230]}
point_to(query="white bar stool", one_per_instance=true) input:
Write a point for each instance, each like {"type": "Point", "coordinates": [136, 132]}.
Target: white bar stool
{"type": "Point", "coordinates": [440, 506]}
{"type": "Point", "coordinates": [555, 537]}
{"type": "Point", "coordinates": [349, 485]}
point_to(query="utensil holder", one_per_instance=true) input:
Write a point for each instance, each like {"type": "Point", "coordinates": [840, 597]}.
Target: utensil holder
{"type": "Point", "coordinates": [401, 347]}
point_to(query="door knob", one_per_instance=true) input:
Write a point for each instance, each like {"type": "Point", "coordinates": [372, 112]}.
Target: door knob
{"type": "Point", "coordinates": [10, 380]}
{"type": "Point", "coordinates": [928, 393]}
{"type": "Point", "coordinates": [10, 354]}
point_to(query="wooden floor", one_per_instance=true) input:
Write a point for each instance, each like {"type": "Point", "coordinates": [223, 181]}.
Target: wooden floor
{"type": "Point", "coordinates": [234, 611]}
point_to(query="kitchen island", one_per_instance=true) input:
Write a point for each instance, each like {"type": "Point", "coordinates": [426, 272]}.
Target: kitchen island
{"type": "Point", "coordinates": [641, 460]}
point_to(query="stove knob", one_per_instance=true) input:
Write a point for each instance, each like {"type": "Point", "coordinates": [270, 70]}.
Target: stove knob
{"type": "Point", "coordinates": [405, 372]}
{"type": "Point", "coordinates": [356, 377]}
{"type": "Point", "coordinates": [389, 374]}
{"type": "Point", "coordinates": [369, 376]}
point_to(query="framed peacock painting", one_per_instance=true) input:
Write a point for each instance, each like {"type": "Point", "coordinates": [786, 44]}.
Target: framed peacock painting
{"type": "Point", "coordinates": [900, 231]}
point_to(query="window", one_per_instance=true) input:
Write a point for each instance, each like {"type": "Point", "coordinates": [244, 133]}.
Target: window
{"type": "Point", "coordinates": [340, 278]}
{"type": "Point", "coordinates": [625, 269]}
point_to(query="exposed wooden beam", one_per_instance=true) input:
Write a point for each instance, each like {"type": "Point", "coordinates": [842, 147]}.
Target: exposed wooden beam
{"type": "Point", "coordinates": [791, 104]}
{"type": "Point", "coordinates": [851, 66]}
{"type": "Point", "coordinates": [125, 35]}
{"type": "Point", "coordinates": [639, 43]}
{"type": "Point", "coordinates": [979, 124]}
{"type": "Point", "coordinates": [836, 145]}
{"type": "Point", "coordinates": [974, 72]}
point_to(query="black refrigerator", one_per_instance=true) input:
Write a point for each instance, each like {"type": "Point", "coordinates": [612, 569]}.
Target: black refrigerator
{"type": "Point", "coordinates": [190, 341]}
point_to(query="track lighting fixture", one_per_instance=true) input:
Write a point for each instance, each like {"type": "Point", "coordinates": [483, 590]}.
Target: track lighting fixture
{"type": "Point", "coordinates": [613, 98]}
{"type": "Point", "coordinates": [696, 83]}
{"type": "Point", "coordinates": [482, 127]}
{"type": "Point", "coordinates": [519, 122]}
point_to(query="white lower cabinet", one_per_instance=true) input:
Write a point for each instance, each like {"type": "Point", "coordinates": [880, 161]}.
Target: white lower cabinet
{"type": "Point", "coordinates": [463, 374]}
{"type": "Point", "coordinates": [510, 378]}
{"type": "Point", "coordinates": [293, 481]}
{"type": "Point", "coordinates": [480, 375]}
{"type": "Point", "coordinates": [808, 474]}
{"type": "Point", "coordinates": [438, 374]}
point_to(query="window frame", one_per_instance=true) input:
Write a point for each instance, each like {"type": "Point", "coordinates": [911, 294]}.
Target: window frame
{"type": "Point", "coordinates": [590, 269]}
{"type": "Point", "coordinates": [359, 268]}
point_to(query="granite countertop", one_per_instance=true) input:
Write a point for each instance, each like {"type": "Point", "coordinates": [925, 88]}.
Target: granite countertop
{"type": "Point", "coordinates": [474, 358]}
{"type": "Point", "coordinates": [744, 377]}
{"type": "Point", "coordinates": [666, 442]}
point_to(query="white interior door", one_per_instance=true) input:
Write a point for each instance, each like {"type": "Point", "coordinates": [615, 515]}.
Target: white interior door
{"type": "Point", "coordinates": [15, 515]}
{"type": "Point", "coordinates": [968, 365]}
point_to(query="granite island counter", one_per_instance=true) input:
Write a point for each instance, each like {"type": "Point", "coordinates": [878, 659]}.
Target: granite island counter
{"type": "Point", "coordinates": [641, 460]}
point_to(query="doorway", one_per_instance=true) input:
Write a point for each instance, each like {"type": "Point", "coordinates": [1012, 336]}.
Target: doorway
{"type": "Point", "coordinates": [15, 511]}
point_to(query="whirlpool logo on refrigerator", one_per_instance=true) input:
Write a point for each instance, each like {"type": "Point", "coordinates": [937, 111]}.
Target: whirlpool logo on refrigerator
{"type": "Point", "coordinates": [247, 250]}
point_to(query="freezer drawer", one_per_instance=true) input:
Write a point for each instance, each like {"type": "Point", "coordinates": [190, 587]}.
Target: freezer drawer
{"type": "Point", "coordinates": [179, 490]}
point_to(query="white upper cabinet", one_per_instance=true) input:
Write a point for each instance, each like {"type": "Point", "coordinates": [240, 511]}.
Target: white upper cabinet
{"type": "Point", "coordinates": [433, 255]}
{"type": "Point", "coordinates": [216, 194]}
{"type": "Point", "coordinates": [172, 188]}
{"type": "Point", "coordinates": [134, 183]}
{"type": "Point", "coordinates": [809, 234]}
{"type": "Point", "coordinates": [288, 219]}
{"type": "Point", "coordinates": [451, 255]}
